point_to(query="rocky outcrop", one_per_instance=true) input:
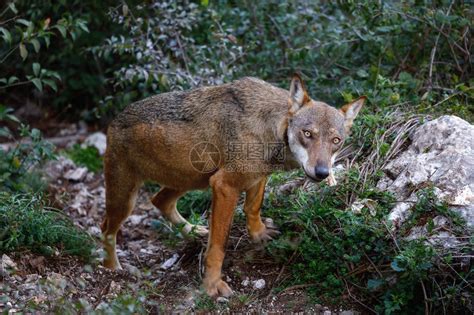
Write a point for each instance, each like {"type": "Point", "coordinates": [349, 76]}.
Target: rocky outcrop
{"type": "Point", "coordinates": [441, 154]}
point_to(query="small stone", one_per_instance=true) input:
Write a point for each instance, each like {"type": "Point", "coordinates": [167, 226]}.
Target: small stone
{"type": "Point", "coordinates": [7, 265]}
{"type": "Point", "coordinates": [76, 174]}
{"type": "Point", "coordinates": [245, 282]}
{"type": "Point", "coordinates": [258, 284]}
{"type": "Point", "coordinates": [136, 219]}
{"type": "Point", "coordinates": [133, 270]}
{"type": "Point", "coordinates": [97, 140]}
{"type": "Point", "coordinates": [222, 299]}
{"type": "Point", "coordinates": [169, 262]}
{"type": "Point", "coordinates": [94, 231]}
{"type": "Point", "coordinates": [440, 221]}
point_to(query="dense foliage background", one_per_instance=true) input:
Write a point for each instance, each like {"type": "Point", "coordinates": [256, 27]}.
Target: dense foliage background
{"type": "Point", "coordinates": [85, 60]}
{"type": "Point", "coordinates": [88, 59]}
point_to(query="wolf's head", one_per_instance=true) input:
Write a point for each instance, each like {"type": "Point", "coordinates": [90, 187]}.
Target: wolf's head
{"type": "Point", "coordinates": [316, 131]}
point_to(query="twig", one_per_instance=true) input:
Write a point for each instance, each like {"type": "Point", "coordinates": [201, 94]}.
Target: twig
{"type": "Point", "coordinates": [296, 287]}
{"type": "Point", "coordinates": [280, 274]}
{"type": "Point", "coordinates": [427, 307]}
{"type": "Point", "coordinates": [433, 51]}
{"type": "Point", "coordinates": [356, 299]}
{"type": "Point", "coordinates": [287, 43]}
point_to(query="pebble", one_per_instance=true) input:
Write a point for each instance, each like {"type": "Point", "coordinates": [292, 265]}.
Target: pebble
{"type": "Point", "coordinates": [76, 174]}
{"type": "Point", "coordinates": [258, 284]}
{"type": "Point", "coordinates": [169, 262]}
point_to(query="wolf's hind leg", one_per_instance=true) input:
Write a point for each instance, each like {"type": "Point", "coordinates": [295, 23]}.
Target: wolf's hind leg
{"type": "Point", "coordinates": [258, 231]}
{"type": "Point", "coordinates": [166, 200]}
{"type": "Point", "coordinates": [121, 192]}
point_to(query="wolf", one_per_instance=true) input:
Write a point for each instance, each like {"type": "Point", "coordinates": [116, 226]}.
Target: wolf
{"type": "Point", "coordinates": [230, 138]}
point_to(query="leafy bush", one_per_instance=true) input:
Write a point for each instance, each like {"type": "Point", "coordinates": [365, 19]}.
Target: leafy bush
{"type": "Point", "coordinates": [18, 166]}
{"type": "Point", "coordinates": [161, 52]}
{"type": "Point", "coordinates": [106, 56]}
{"type": "Point", "coordinates": [25, 222]}
{"type": "Point", "coordinates": [336, 251]}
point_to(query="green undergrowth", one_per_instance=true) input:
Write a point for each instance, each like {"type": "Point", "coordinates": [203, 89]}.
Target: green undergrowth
{"type": "Point", "coordinates": [337, 252]}
{"type": "Point", "coordinates": [85, 156]}
{"type": "Point", "coordinates": [26, 220]}
{"type": "Point", "coordinates": [27, 223]}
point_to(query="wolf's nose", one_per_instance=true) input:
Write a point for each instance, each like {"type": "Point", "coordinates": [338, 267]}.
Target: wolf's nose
{"type": "Point", "coordinates": [321, 172]}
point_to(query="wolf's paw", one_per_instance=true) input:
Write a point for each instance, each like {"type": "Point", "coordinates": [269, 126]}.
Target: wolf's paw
{"type": "Point", "coordinates": [217, 288]}
{"type": "Point", "coordinates": [112, 264]}
{"type": "Point", "coordinates": [200, 230]}
{"type": "Point", "coordinates": [267, 233]}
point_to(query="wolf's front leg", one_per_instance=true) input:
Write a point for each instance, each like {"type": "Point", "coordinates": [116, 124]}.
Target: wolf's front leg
{"type": "Point", "coordinates": [224, 200]}
{"type": "Point", "coordinates": [258, 231]}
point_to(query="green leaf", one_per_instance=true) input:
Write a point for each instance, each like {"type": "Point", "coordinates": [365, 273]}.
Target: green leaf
{"type": "Point", "coordinates": [47, 41]}
{"type": "Point", "coordinates": [12, 118]}
{"type": "Point", "coordinates": [13, 79]}
{"type": "Point", "coordinates": [396, 267]}
{"type": "Point", "coordinates": [125, 10]}
{"type": "Point", "coordinates": [362, 73]}
{"type": "Point", "coordinates": [51, 84]}
{"type": "Point", "coordinates": [23, 51]}
{"type": "Point", "coordinates": [61, 30]}
{"type": "Point", "coordinates": [24, 22]}
{"type": "Point", "coordinates": [3, 80]}
{"type": "Point", "coordinates": [38, 84]}
{"type": "Point", "coordinates": [36, 44]}
{"type": "Point", "coordinates": [7, 37]}
{"type": "Point", "coordinates": [13, 8]}
{"type": "Point", "coordinates": [374, 284]}
{"type": "Point", "coordinates": [5, 132]}
{"type": "Point", "coordinates": [36, 68]}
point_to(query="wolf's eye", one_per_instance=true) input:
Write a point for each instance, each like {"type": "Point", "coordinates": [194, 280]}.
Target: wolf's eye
{"type": "Point", "coordinates": [336, 140]}
{"type": "Point", "coordinates": [307, 134]}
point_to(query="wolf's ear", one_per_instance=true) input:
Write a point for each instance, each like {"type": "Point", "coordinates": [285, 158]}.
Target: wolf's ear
{"type": "Point", "coordinates": [298, 94]}
{"type": "Point", "coordinates": [351, 110]}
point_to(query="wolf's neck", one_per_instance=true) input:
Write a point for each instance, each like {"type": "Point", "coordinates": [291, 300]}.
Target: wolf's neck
{"type": "Point", "coordinates": [281, 133]}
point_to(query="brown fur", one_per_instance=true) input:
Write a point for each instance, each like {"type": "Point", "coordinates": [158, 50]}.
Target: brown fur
{"type": "Point", "coordinates": [152, 140]}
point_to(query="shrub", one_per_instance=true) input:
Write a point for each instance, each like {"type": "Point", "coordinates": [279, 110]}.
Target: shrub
{"type": "Point", "coordinates": [337, 252]}
{"type": "Point", "coordinates": [19, 165]}
{"type": "Point", "coordinates": [27, 223]}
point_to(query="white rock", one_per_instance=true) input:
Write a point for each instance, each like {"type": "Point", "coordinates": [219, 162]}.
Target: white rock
{"type": "Point", "coordinates": [136, 219]}
{"type": "Point", "coordinates": [441, 154]}
{"type": "Point", "coordinates": [360, 204]}
{"type": "Point", "coordinates": [440, 221]}
{"type": "Point", "coordinates": [222, 299]}
{"type": "Point", "coordinates": [97, 140]}
{"type": "Point", "coordinates": [444, 239]}
{"type": "Point", "coordinates": [245, 282]}
{"type": "Point", "coordinates": [258, 284]}
{"type": "Point", "coordinates": [132, 269]}
{"type": "Point", "coordinates": [169, 262]}
{"type": "Point", "coordinates": [94, 231]}
{"type": "Point", "coordinates": [7, 265]}
{"type": "Point", "coordinates": [76, 174]}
